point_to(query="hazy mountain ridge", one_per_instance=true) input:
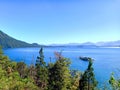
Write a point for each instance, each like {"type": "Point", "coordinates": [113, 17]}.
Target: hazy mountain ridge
{"type": "Point", "coordinates": [7, 41]}
{"type": "Point", "coordinates": [109, 44]}
{"type": "Point", "coordinates": [90, 44]}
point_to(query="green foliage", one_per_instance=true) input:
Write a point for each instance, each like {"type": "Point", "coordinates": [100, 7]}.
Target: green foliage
{"type": "Point", "coordinates": [22, 69]}
{"type": "Point", "coordinates": [75, 77]}
{"type": "Point", "coordinates": [87, 81]}
{"type": "Point", "coordinates": [32, 72]}
{"type": "Point", "coordinates": [41, 71]}
{"type": "Point", "coordinates": [54, 76]}
{"type": "Point", "coordinates": [10, 78]}
{"type": "Point", "coordinates": [115, 83]}
{"type": "Point", "coordinates": [59, 74]}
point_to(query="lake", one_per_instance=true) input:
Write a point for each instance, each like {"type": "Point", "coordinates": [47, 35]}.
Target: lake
{"type": "Point", "coordinates": [106, 60]}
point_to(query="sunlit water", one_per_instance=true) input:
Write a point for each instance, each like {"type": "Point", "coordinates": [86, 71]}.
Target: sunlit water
{"type": "Point", "coordinates": [106, 60]}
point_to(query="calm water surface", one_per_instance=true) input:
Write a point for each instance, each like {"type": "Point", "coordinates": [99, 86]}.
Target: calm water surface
{"type": "Point", "coordinates": [106, 60]}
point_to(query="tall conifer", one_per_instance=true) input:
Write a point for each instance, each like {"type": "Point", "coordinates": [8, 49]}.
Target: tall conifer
{"type": "Point", "coordinates": [88, 81]}
{"type": "Point", "coordinates": [41, 71]}
{"type": "Point", "coordinates": [59, 74]}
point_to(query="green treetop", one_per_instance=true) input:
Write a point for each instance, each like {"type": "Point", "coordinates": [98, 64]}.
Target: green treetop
{"type": "Point", "coordinates": [59, 74]}
{"type": "Point", "coordinates": [88, 81]}
{"type": "Point", "coordinates": [41, 71]}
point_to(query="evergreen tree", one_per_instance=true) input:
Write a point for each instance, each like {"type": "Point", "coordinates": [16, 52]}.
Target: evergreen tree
{"type": "Point", "coordinates": [32, 72]}
{"type": "Point", "coordinates": [87, 81]}
{"type": "Point", "coordinates": [59, 74]}
{"type": "Point", "coordinates": [22, 69]}
{"type": "Point", "coordinates": [75, 77]}
{"type": "Point", "coordinates": [41, 71]}
{"type": "Point", "coordinates": [10, 78]}
{"type": "Point", "coordinates": [115, 83]}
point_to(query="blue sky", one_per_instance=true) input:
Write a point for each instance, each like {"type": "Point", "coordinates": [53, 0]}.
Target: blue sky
{"type": "Point", "coordinates": [61, 21]}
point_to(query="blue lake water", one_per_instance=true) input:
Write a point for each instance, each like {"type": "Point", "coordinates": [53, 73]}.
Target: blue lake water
{"type": "Point", "coordinates": [106, 60]}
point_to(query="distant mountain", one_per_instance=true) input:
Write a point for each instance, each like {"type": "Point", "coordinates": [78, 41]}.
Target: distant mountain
{"type": "Point", "coordinates": [7, 41]}
{"type": "Point", "coordinates": [86, 44]}
{"type": "Point", "coordinates": [89, 44]}
{"type": "Point", "coordinates": [102, 44]}
{"type": "Point", "coordinates": [109, 44]}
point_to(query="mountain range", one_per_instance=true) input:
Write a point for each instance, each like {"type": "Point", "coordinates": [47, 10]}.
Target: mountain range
{"type": "Point", "coordinates": [7, 41]}
{"type": "Point", "coordinates": [90, 44]}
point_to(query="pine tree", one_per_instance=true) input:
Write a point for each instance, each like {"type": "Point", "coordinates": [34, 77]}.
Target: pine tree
{"type": "Point", "coordinates": [115, 83]}
{"type": "Point", "coordinates": [59, 74]}
{"type": "Point", "coordinates": [88, 81]}
{"type": "Point", "coordinates": [41, 71]}
{"type": "Point", "coordinates": [22, 69]}
{"type": "Point", "coordinates": [75, 77]}
{"type": "Point", "coordinates": [10, 78]}
{"type": "Point", "coordinates": [32, 72]}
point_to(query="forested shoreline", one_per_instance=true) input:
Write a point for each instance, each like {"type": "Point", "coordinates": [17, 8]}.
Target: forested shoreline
{"type": "Point", "coordinates": [51, 76]}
